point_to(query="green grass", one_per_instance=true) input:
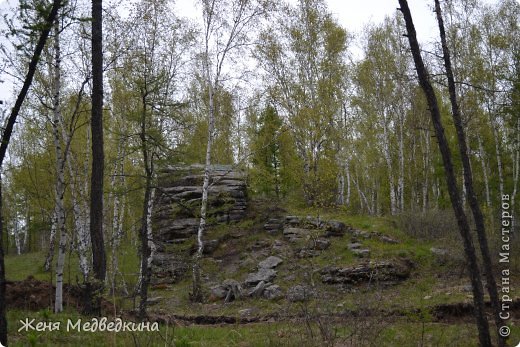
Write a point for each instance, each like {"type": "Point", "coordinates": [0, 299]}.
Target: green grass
{"type": "Point", "coordinates": [361, 331]}
{"type": "Point", "coordinates": [428, 285]}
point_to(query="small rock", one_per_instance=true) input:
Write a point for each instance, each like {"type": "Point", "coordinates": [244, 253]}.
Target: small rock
{"type": "Point", "coordinates": [273, 226]}
{"type": "Point", "coordinates": [336, 227]}
{"type": "Point", "coordinates": [354, 245]}
{"type": "Point", "coordinates": [314, 222]}
{"type": "Point", "coordinates": [260, 244]}
{"type": "Point", "coordinates": [262, 274]}
{"type": "Point", "coordinates": [270, 262]}
{"type": "Point", "coordinates": [388, 239]}
{"type": "Point", "coordinates": [299, 293]}
{"type": "Point", "coordinates": [362, 233]}
{"type": "Point", "coordinates": [246, 312]}
{"type": "Point", "coordinates": [294, 234]}
{"type": "Point", "coordinates": [439, 251]}
{"type": "Point", "coordinates": [273, 292]}
{"type": "Point", "coordinates": [218, 292]}
{"type": "Point", "coordinates": [258, 290]}
{"type": "Point", "coordinates": [234, 290]}
{"type": "Point", "coordinates": [153, 301]}
{"type": "Point", "coordinates": [321, 244]}
{"type": "Point", "coordinates": [427, 297]}
{"type": "Point", "coordinates": [292, 220]}
{"type": "Point", "coordinates": [361, 253]}
{"type": "Point", "coordinates": [210, 246]}
{"type": "Point", "coordinates": [278, 246]}
{"type": "Point", "coordinates": [307, 253]}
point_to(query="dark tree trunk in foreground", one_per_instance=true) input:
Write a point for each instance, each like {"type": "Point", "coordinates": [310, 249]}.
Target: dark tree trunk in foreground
{"type": "Point", "coordinates": [145, 232]}
{"type": "Point", "coordinates": [468, 179]}
{"type": "Point", "coordinates": [462, 221]}
{"type": "Point", "coordinates": [96, 186]}
{"type": "Point", "coordinates": [6, 137]}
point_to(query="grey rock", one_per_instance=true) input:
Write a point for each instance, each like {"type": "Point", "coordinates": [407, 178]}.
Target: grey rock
{"type": "Point", "coordinates": [273, 292]}
{"type": "Point", "coordinates": [295, 234]}
{"type": "Point", "coordinates": [321, 244]}
{"type": "Point", "coordinates": [278, 245]}
{"type": "Point", "coordinates": [361, 253]}
{"type": "Point", "coordinates": [439, 251]}
{"type": "Point", "coordinates": [234, 290]}
{"type": "Point", "coordinates": [380, 271]}
{"type": "Point", "coordinates": [315, 222]}
{"type": "Point", "coordinates": [154, 301]}
{"type": "Point", "coordinates": [262, 274]}
{"type": "Point", "coordinates": [247, 312]}
{"type": "Point", "coordinates": [388, 239]}
{"type": "Point", "coordinates": [258, 290]}
{"type": "Point", "coordinates": [355, 245]}
{"type": "Point", "coordinates": [273, 226]}
{"type": "Point", "coordinates": [270, 263]}
{"type": "Point", "coordinates": [299, 293]}
{"type": "Point", "coordinates": [336, 226]}
{"type": "Point", "coordinates": [210, 246]}
{"type": "Point", "coordinates": [307, 253]}
{"type": "Point", "coordinates": [292, 220]}
{"type": "Point", "coordinates": [361, 233]}
{"type": "Point", "coordinates": [218, 291]}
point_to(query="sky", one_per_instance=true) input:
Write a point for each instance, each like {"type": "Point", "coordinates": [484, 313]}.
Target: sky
{"type": "Point", "coordinates": [351, 14]}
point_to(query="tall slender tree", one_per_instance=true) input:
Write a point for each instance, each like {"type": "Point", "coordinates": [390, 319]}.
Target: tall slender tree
{"type": "Point", "coordinates": [96, 184]}
{"type": "Point", "coordinates": [6, 136]}
{"type": "Point", "coordinates": [226, 27]}
{"type": "Point", "coordinates": [462, 221]}
{"type": "Point", "coordinates": [468, 178]}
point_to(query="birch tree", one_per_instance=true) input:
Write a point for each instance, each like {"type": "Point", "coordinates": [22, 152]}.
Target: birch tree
{"type": "Point", "coordinates": [48, 19]}
{"type": "Point", "coordinates": [303, 59]}
{"type": "Point", "coordinates": [226, 29]}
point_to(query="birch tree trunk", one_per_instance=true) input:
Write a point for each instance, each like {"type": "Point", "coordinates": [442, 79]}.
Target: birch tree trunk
{"type": "Point", "coordinates": [426, 169]}
{"type": "Point", "coordinates": [52, 241]}
{"type": "Point", "coordinates": [347, 171]}
{"type": "Point", "coordinates": [60, 172]}
{"type": "Point", "coordinates": [482, 157]}
{"type": "Point", "coordinates": [80, 216]}
{"type": "Point", "coordinates": [117, 218]}
{"type": "Point", "coordinates": [4, 144]}
{"type": "Point", "coordinates": [197, 290]}
{"type": "Point", "coordinates": [388, 159]}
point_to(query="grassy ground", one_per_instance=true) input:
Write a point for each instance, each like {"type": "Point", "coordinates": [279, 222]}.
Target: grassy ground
{"type": "Point", "coordinates": [431, 283]}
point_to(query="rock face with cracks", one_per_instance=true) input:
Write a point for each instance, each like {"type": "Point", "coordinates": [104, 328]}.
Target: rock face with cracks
{"type": "Point", "coordinates": [176, 213]}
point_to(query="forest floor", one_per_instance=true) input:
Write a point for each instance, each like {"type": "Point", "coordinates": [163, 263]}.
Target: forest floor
{"type": "Point", "coordinates": [429, 306]}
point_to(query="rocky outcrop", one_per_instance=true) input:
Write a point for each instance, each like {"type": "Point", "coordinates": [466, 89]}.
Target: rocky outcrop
{"type": "Point", "coordinates": [176, 214]}
{"type": "Point", "coordinates": [381, 271]}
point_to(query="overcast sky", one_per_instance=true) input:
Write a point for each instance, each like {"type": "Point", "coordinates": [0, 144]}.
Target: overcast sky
{"type": "Point", "coordinates": [352, 15]}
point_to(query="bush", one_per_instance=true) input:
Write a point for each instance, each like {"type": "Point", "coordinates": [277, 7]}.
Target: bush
{"type": "Point", "coordinates": [429, 225]}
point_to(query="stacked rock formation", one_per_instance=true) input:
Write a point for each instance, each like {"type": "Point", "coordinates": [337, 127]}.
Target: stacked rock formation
{"type": "Point", "coordinates": [176, 213]}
